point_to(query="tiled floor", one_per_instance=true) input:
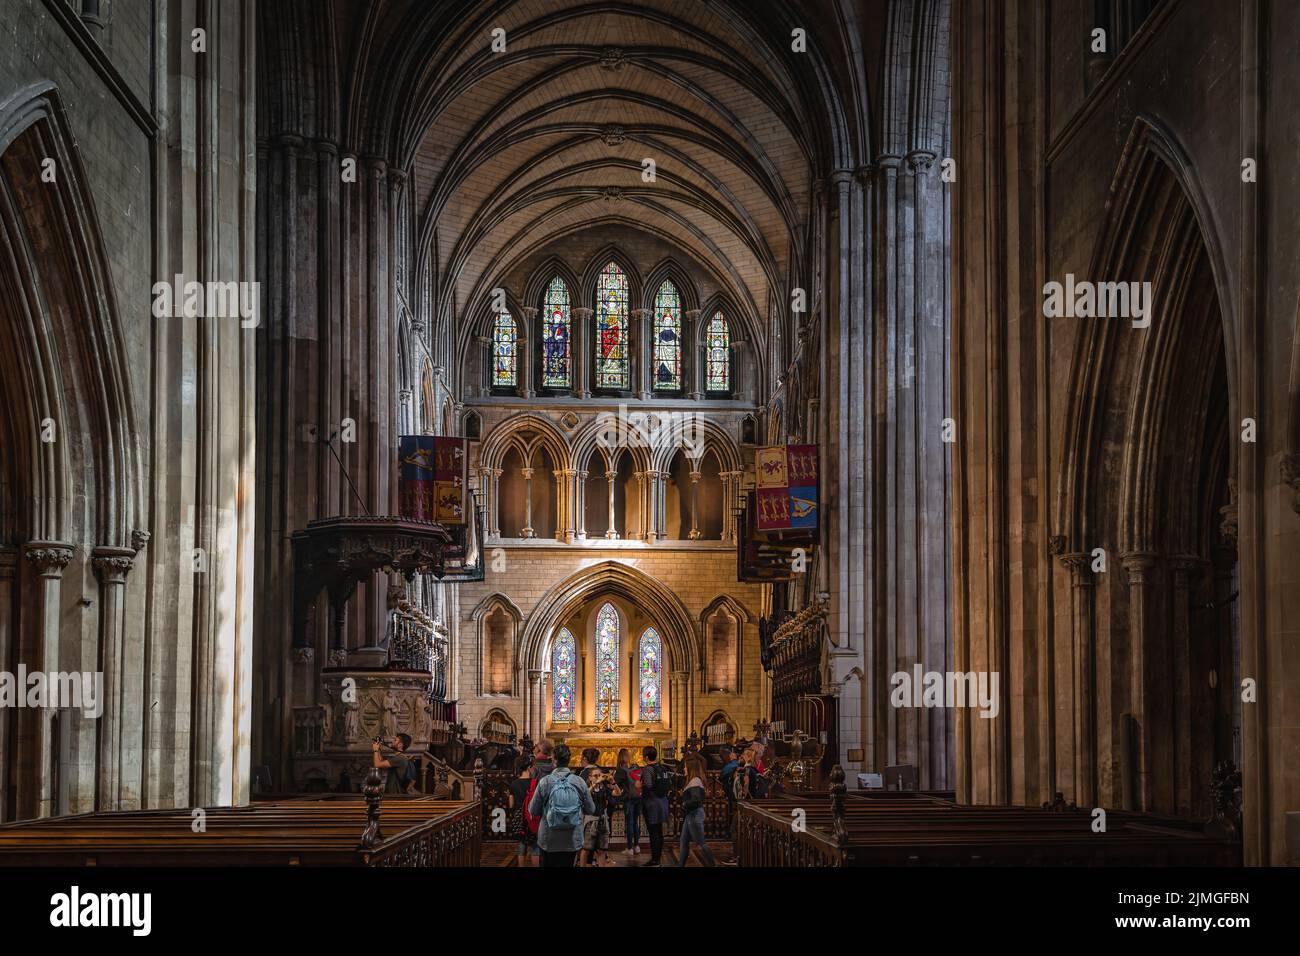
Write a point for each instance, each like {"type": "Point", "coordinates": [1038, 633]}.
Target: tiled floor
{"type": "Point", "coordinates": [503, 854]}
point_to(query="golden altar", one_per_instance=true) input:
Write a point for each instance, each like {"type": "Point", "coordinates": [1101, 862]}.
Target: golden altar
{"type": "Point", "coordinates": [609, 744]}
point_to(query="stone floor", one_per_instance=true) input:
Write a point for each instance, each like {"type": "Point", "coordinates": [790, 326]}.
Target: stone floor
{"type": "Point", "coordinates": [503, 854]}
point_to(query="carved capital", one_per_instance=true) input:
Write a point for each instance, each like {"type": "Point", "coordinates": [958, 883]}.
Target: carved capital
{"type": "Point", "coordinates": [920, 161]}
{"type": "Point", "coordinates": [612, 135]}
{"type": "Point", "coordinates": [49, 558]}
{"type": "Point", "coordinates": [1138, 564]}
{"type": "Point", "coordinates": [112, 564]}
{"type": "Point", "coordinates": [582, 313]}
{"type": "Point", "coordinates": [338, 657]}
{"type": "Point", "coordinates": [304, 655]}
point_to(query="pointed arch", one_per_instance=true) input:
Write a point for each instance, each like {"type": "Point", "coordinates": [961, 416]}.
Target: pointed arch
{"type": "Point", "coordinates": [610, 578]}
{"type": "Point", "coordinates": [70, 360]}
{"type": "Point", "coordinates": [650, 678]}
{"type": "Point", "coordinates": [525, 431]}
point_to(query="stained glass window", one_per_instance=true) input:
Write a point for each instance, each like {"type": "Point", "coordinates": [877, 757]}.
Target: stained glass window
{"type": "Point", "coordinates": [717, 351]}
{"type": "Point", "coordinates": [607, 650]}
{"type": "Point", "coordinates": [650, 660]}
{"type": "Point", "coordinates": [611, 329]}
{"type": "Point", "coordinates": [564, 669]}
{"type": "Point", "coordinates": [555, 335]}
{"type": "Point", "coordinates": [668, 339]}
{"type": "Point", "coordinates": [505, 351]}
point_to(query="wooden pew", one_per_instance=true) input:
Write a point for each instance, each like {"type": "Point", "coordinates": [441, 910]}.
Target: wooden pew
{"type": "Point", "coordinates": [324, 831]}
{"type": "Point", "coordinates": [900, 829]}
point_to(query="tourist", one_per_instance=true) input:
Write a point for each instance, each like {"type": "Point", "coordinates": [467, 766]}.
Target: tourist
{"type": "Point", "coordinates": [560, 801]}
{"type": "Point", "coordinates": [656, 784]}
{"type": "Point", "coordinates": [542, 760]}
{"type": "Point", "coordinates": [627, 777]}
{"type": "Point", "coordinates": [519, 788]}
{"type": "Point", "coordinates": [729, 765]}
{"type": "Point", "coordinates": [595, 827]}
{"type": "Point", "coordinates": [401, 779]}
{"type": "Point", "coordinates": [693, 811]}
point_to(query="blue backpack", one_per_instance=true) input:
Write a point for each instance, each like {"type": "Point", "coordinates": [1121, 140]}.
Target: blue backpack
{"type": "Point", "coordinates": [564, 805]}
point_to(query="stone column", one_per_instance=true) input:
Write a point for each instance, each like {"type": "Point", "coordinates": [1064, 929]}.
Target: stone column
{"type": "Point", "coordinates": [641, 351]}
{"type": "Point", "coordinates": [533, 728]}
{"type": "Point", "coordinates": [730, 492]}
{"type": "Point", "coordinates": [1141, 587]}
{"type": "Point", "coordinates": [680, 709]}
{"type": "Point", "coordinates": [695, 506]}
{"type": "Point", "coordinates": [8, 643]}
{"type": "Point", "coordinates": [484, 343]}
{"type": "Point", "coordinates": [112, 566]}
{"type": "Point", "coordinates": [580, 505]}
{"type": "Point", "coordinates": [37, 797]}
{"type": "Point", "coordinates": [405, 412]}
{"type": "Point", "coordinates": [1075, 706]}
{"type": "Point", "coordinates": [524, 352]}
{"type": "Point", "coordinates": [1187, 573]}
{"type": "Point", "coordinates": [528, 502]}
{"type": "Point", "coordinates": [611, 530]}
{"type": "Point", "coordinates": [566, 502]}
{"type": "Point", "coordinates": [581, 336]}
{"type": "Point", "coordinates": [692, 356]}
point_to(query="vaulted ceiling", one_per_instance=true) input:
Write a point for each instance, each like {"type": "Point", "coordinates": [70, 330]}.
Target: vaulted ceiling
{"type": "Point", "coordinates": [511, 149]}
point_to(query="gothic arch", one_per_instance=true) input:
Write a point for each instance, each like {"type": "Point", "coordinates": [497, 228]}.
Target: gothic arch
{"type": "Point", "coordinates": [1154, 193]}
{"type": "Point", "coordinates": [67, 356]}
{"type": "Point", "coordinates": [670, 269]}
{"type": "Point", "coordinates": [707, 435]}
{"type": "Point", "coordinates": [509, 434]}
{"type": "Point", "coordinates": [479, 616]}
{"type": "Point", "coordinates": [665, 608]}
{"type": "Point", "coordinates": [603, 257]}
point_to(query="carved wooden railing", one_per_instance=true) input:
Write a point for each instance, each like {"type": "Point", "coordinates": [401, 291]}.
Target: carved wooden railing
{"type": "Point", "coordinates": [765, 837]}
{"type": "Point", "coordinates": [451, 840]}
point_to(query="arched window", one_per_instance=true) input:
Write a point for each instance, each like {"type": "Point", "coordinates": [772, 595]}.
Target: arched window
{"type": "Point", "coordinates": [650, 659]}
{"type": "Point", "coordinates": [564, 669]}
{"type": "Point", "coordinates": [667, 356]}
{"type": "Point", "coordinates": [505, 351]}
{"type": "Point", "coordinates": [612, 372]}
{"type": "Point", "coordinates": [607, 651]}
{"type": "Point", "coordinates": [556, 354]}
{"type": "Point", "coordinates": [717, 356]}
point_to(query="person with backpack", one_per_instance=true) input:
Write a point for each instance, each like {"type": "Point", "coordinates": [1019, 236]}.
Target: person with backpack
{"type": "Point", "coordinates": [627, 777]}
{"type": "Point", "coordinates": [560, 801]}
{"type": "Point", "coordinates": [656, 784]}
{"type": "Point", "coordinates": [693, 811]}
{"type": "Point", "coordinates": [543, 764]}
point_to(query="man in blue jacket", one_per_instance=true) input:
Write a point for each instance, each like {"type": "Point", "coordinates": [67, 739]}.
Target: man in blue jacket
{"type": "Point", "coordinates": [560, 801]}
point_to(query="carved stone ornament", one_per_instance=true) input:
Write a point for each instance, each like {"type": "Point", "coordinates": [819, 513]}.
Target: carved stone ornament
{"type": "Point", "coordinates": [612, 58]}
{"type": "Point", "coordinates": [49, 558]}
{"type": "Point", "coordinates": [304, 655]}
{"type": "Point", "coordinates": [613, 135]}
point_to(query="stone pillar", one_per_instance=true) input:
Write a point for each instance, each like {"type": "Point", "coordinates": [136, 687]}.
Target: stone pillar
{"type": "Point", "coordinates": [692, 355]}
{"type": "Point", "coordinates": [524, 352]}
{"type": "Point", "coordinates": [1187, 571]}
{"type": "Point", "coordinates": [611, 530]}
{"type": "Point", "coordinates": [36, 798]}
{"type": "Point", "coordinates": [566, 498]}
{"type": "Point", "coordinates": [730, 492]}
{"type": "Point", "coordinates": [580, 505]}
{"type": "Point", "coordinates": [1139, 566]}
{"type": "Point", "coordinates": [581, 337]}
{"type": "Point", "coordinates": [532, 729]}
{"type": "Point", "coordinates": [641, 351]}
{"type": "Point", "coordinates": [490, 481]}
{"type": "Point", "coordinates": [8, 643]}
{"type": "Point", "coordinates": [1076, 704]}
{"type": "Point", "coordinates": [527, 531]}
{"type": "Point", "coordinates": [695, 506]}
{"type": "Point", "coordinates": [90, 16]}
{"type": "Point", "coordinates": [405, 412]}
{"type": "Point", "coordinates": [484, 343]}
{"type": "Point", "coordinates": [680, 709]}
{"type": "Point", "coordinates": [112, 566]}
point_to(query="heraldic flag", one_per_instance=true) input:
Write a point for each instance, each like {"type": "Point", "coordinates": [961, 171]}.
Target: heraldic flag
{"type": "Point", "coordinates": [433, 478]}
{"type": "Point", "coordinates": [786, 476]}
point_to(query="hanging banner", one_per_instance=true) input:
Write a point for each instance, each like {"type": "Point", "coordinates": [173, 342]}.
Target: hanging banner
{"type": "Point", "coordinates": [433, 478]}
{"type": "Point", "coordinates": [786, 479]}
